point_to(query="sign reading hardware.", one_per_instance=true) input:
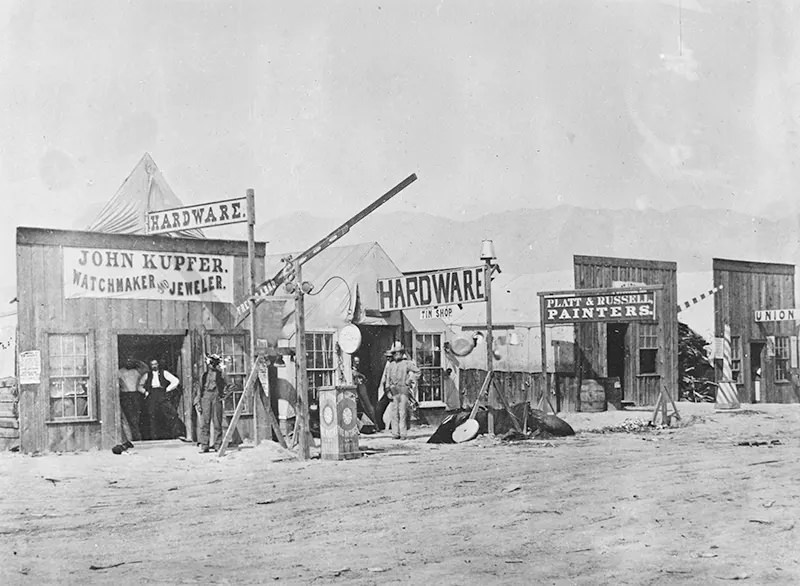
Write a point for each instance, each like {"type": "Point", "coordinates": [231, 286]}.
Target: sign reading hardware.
{"type": "Point", "coordinates": [449, 287]}
{"type": "Point", "coordinates": [205, 215]}
{"type": "Point", "coordinates": [639, 306]}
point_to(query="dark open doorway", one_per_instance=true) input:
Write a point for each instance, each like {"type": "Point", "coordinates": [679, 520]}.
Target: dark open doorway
{"type": "Point", "coordinates": [756, 387]}
{"type": "Point", "coordinates": [615, 353]}
{"type": "Point", "coordinates": [143, 349]}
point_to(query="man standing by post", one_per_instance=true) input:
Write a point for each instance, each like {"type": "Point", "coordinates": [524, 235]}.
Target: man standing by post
{"type": "Point", "coordinates": [401, 374]}
{"type": "Point", "coordinates": [208, 403]}
{"type": "Point", "coordinates": [156, 384]}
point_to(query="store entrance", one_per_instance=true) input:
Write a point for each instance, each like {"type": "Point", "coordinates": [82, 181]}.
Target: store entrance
{"type": "Point", "coordinates": [615, 354]}
{"type": "Point", "coordinates": [146, 419]}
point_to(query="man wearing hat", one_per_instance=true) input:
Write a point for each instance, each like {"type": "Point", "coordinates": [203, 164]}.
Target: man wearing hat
{"type": "Point", "coordinates": [208, 403]}
{"type": "Point", "coordinates": [401, 374]}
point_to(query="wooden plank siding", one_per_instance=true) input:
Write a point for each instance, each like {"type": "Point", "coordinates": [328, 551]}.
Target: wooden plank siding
{"type": "Point", "coordinates": [518, 387]}
{"type": "Point", "coordinates": [42, 310]}
{"type": "Point", "coordinates": [747, 287]}
{"type": "Point", "coordinates": [592, 272]}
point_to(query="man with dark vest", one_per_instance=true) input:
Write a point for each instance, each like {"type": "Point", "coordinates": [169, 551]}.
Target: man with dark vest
{"type": "Point", "coordinates": [208, 403]}
{"type": "Point", "coordinates": [161, 414]}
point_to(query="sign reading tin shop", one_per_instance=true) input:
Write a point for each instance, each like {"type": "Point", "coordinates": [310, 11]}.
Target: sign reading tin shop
{"type": "Point", "coordinates": [635, 306]}
{"type": "Point", "coordinates": [450, 287]}
{"type": "Point", "coordinates": [206, 215]}
{"type": "Point", "coordinates": [140, 274]}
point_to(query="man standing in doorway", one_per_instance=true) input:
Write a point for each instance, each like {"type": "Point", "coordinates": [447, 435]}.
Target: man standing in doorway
{"type": "Point", "coordinates": [160, 413]}
{"type": "Point", "coordinates": [131, 397]}
{"type": "Point", "coordinates": [401, 375]}
{"type": "Point", "coordinates": [208, 403]}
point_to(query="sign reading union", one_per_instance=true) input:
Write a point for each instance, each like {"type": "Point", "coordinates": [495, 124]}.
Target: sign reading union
{"type": "Point", "coordinates": [763, 315]}
{"type": "Point", "coordinates": [139, 274]}
{"type": "Point", "coordinates": [639, 306]}
{"type": "Point", "coordinates": [450, 287]}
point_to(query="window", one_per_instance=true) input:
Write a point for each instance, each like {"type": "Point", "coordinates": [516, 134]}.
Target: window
{"type": "Point", "coordinates": [68, 372]}
{"type": "Point", "coordinates": [428, 352]}
{"type": "Point", "coordinates": [319, 361]}
{"type": "Point", "coordinates": [782, 358]}
{"type": "Point", "coordinates": [231, 347]}
{"type": "Point", "coordinates": [648, 348]}
{"type": "Point", "coordinates": [736, 357]}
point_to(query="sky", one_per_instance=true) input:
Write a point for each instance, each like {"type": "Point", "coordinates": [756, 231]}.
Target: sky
{"type": "Point", "coordinates": [323, 106]}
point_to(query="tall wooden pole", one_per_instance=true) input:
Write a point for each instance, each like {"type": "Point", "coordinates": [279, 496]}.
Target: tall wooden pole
{"type": "Point", "coordinates": [251, 285]}
{"type": "Point", "coordinates": [543, 342]}
{"type": "Point", "coordinates": [301, 371]}
{"type": "Point", "coordinates": [487, 279]}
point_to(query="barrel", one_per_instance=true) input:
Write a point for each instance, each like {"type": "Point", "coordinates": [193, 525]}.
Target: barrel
{"type": "Point", "coordinates": [593, 396]}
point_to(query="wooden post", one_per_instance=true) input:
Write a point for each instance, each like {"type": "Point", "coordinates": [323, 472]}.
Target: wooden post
{"type": "Point", "coordinates": [487, 279]}
{"type": "Point", "coordinates": [545, 400]}
{"type": "Point", "coordinates": [301, 378]}
{"type": "Point", "coordinates": [251, 287]}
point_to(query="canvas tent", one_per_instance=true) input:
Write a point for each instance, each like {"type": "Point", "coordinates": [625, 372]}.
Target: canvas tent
{"type": "Point", "coordinates": [144, 190]}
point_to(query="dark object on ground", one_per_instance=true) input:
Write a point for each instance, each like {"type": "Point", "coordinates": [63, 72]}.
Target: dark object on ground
{"type": "Point", "coordinates": [118, 449]}
{"type": "Point", "coordinates": [537, 421]}
{"type": "Point", "coordinates": [127, 445]}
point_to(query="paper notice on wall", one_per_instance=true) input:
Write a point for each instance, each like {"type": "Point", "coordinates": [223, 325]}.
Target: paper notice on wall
{"type": "Point", "coordinates": [8, 345]}
{"type": "Point", "coordinates": [30, 367]}
{"type": "Point", "coordinates": [717, 349]}
{"type": "Point", "coordinates": [770, 346]}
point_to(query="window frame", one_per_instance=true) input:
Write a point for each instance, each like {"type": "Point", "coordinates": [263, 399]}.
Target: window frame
{"type": "Point", "coordinates": [647, 338]}
{"type": "Point", "coordinates": [92, 407]}
{"type": "Point", "coordinates": [418, 339]}
{"type": "Point", "coordinates": [311, 369]}
{"type": "Point", "coordinates": [736, 358]}
{"type": "Point", "coordinates": [782, 359]}
{"type": "Point", "coordinates": [230, 375]}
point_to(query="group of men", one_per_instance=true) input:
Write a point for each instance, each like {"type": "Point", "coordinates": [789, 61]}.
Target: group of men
{"type": "Point", "coordinates": [147, 397]}
{"type": "Point", "coordinates": [395, 391]}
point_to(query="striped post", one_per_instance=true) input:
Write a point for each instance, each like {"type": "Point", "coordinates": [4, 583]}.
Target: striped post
{"type": "Point", "coordinates": [727, 395]}
{"type": "Point", "coordinates": [698, 299]}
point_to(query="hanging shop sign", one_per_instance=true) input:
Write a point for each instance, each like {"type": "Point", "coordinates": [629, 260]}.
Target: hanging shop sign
{"type": "Point", "coordinates": [576, 307]}
{"type": "Point", "coordinates": [206, 215]}
{"type": "Point", "coordinates": [140, 274]}
{"type": "Point", "coordinates": [763, 315]}
{"type": "Point", "coordinates": [449, 287]}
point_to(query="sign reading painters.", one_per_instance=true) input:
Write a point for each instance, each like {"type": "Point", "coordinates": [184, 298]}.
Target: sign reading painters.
{"type": "Point", "coordinates": [450, 287]}
{"type": "Point", "coordinates": [206, 215]}
{"type": "Point", "coordinates": [140, 274]}
{"type": "Point", "coordinates": [639, 306]}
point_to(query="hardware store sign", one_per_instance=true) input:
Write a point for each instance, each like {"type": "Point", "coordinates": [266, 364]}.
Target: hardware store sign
{"type": "Point", "coordinates": [141, 274]}
{"type": "Point", "coordinates": [639, 306]}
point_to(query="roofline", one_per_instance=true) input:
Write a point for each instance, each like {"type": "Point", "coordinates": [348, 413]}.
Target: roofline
{"type": "Point", "coordinates": [27, 236]}
{"type": "Point", "coordinates": [640, 263]}
{"type": "Point", "coordinates": [746, 266]}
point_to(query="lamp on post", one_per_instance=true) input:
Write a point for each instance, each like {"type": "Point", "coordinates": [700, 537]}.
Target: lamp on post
{"type": "Point", "coordinates": [487, 256]}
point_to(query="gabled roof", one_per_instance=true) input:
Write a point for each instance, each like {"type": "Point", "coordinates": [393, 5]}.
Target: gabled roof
{"type": "Point", "coordinates": [345, 279]}
{"type": "Point", "coordinates": [144, 190]}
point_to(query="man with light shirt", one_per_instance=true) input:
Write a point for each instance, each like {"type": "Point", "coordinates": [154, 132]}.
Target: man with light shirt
{"type": "Point", "coordinates": [160, 413]}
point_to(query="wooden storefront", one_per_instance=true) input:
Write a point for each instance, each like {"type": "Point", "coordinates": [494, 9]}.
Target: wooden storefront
{"type": "Point", "coordinates": [643, 355]}
{"type": "Point", "coordinates": [86, 300]}
{"type": "Point", "coordinates": [767, 343]}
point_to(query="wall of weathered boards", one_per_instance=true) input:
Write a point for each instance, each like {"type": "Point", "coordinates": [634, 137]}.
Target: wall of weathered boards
{"type": "Point", "coordinates": [75, 311]}
{"type": "Point", "coordinates": [647, 352]}
{"type": "Point", "coordinates": [748, 287]}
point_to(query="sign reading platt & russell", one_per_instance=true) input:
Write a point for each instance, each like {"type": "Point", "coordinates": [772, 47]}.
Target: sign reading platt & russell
{"type": "Point", "coordinates": [138, 274]}
{"type": "Point", "coordinates": [206, 215]}
{"type": "Point", "coordinates": [448, 287]}
{"type": "Point", "coordinates": [763, 315]}
{"type": "Point", "coordinates": [622, 307]}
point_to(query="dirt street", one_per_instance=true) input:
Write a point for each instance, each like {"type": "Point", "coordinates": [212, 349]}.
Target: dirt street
{"type": "Point", "coordinates": [673, 506]}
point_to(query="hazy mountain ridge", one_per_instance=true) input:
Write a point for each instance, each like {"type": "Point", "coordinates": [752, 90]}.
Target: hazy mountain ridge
{"type": "Point", "coordinates": [534, 240]}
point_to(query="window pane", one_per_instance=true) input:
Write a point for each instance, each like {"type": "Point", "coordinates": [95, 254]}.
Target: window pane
{"type": "Point", "coordinates": [56, 388]}
{"type": "Point", "coordinates": [647, 361]}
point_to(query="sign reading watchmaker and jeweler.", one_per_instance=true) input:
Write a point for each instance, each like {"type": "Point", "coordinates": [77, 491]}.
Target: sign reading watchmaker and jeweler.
{"type": "Point", "coordinates": [638, 306]}
{"type": "Point", "coordinates": [206, 215]}
{"type": "Point", "coordinates": [449, 287]}
{"type": "Point", "coordinates": [140, 274]}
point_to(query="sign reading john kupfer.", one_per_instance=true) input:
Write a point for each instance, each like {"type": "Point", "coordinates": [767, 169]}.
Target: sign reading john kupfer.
{"type": "Point", "coordinates": [139, 274]}
{"type": "Point", "coordinates": [205, 215]}
{"type": "Point", "coordinates": [449, 287]}
{"type": "Point", "coordinates": [638, 306]}
{"type": "Point", "coordinates": [776, 314]}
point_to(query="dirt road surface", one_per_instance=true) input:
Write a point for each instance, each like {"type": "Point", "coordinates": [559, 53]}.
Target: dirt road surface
{"type": "Point", "coordinates": [673, 506]}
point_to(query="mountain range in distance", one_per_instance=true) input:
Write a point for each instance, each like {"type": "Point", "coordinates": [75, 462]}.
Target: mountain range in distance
{"type": "Point", "coordinates": [542, 240]}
